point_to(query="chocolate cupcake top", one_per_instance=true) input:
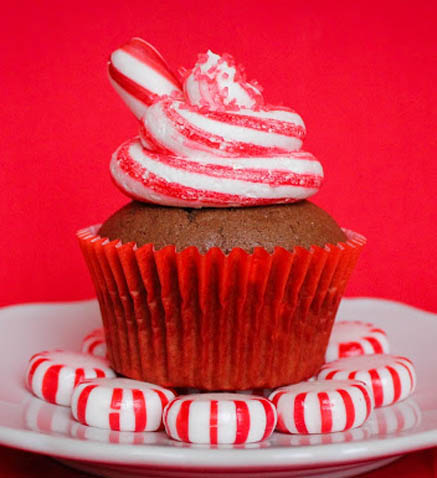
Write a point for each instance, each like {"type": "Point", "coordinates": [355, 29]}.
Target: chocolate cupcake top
{"type": "Point", "coordinates": [301, 224]}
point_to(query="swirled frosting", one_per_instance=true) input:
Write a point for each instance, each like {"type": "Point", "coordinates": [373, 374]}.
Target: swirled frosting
{"type": "Point", "coordinates": [208, 141]}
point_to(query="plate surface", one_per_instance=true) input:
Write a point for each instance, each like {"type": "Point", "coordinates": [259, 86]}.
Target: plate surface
{"type": "Point", "coordinates": [31, 424]}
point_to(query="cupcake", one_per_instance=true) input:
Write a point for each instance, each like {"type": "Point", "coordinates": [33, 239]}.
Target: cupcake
{"type": "Point", "coordinates": [219, 274]}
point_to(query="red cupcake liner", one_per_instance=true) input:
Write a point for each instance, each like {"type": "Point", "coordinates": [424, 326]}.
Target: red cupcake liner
{"type": "Point", "coordinates": [218, 321]}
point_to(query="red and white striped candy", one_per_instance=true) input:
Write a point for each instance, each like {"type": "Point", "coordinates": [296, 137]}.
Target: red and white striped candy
{"type": "Point", "coordinates": [390, 377]}
{"type": "Point", "coordinates": [120, 404]}
{"type": "Point", "coordinates": [139, 74]}
{"type": "Point", "coordinates": [322, 406]}
{"type": "Point", "coordinates": [350, 338]}
{"type": "Point", "coordinates": [52, 375]}
{"type": "Point", "coordinates": [94, 343]}
{"type": "Point", "coordinates": [219, 418]}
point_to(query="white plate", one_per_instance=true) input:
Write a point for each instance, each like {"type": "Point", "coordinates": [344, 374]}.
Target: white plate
{"type": "Point", "coordinates": [31, 424]}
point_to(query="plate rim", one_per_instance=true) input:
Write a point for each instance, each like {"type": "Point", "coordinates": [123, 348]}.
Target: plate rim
{"type": "Point", "coordinates": [309, 456]}
{"type": "Point", "coordinates": [272, 458]}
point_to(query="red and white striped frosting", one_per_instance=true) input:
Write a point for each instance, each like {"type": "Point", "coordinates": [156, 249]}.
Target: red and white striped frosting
{"type": "Point", "coordinates": [120, 404]}
{"type": "Point", "coordinates": [213, 144]}
{"type": "Point", "coordinates": [52, 375]}
{"type": "Point", "coordinates": [94, 343]}
{"type": "Point", "coordinates": [219, 418]}
{"type": "Point", "coordinates": [390, 377]}
{"type": "Point", "coordinates": [218, 83]}
{"type": "Point", "coordinates": [350, 338]}
{"type": "Point", "coordinates": [322, 406]}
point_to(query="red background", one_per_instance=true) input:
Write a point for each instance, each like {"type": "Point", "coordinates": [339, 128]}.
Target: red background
{"type": "Point", "coordinates": [361, 74]}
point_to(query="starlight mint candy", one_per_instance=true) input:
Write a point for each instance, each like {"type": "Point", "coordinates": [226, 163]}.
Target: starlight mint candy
{"type": "Point", "coordinates": [120, 404]}
{"type": "Point", "coordinates": [219, 418]}
{"type": "Point", "coordinates": [322, 406]}
{"type": "Point", "coordinates": [350, 338]}
{"type": "Point", "coordinates": [94, 343]}
{"type": "Point", "coordinates": [216, 146]}
{"type": "Point", "coordinates": [390, 377]}
{"type": "Point", "coordinates": [52, 375]}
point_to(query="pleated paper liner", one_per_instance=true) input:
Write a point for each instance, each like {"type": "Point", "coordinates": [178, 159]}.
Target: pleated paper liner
{"type": "Point", "coordinates": [218, 321]}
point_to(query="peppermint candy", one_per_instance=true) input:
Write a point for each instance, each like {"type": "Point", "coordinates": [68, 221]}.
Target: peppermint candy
{"type": "Point", "coordinates": [350, 338]}
{"type": "Point", "coordinates": [120, 404]}
{"type": "Point", "coordinates": [139, 74]}
{"type": "Point", "coordinates": [390, 377]}
{"type": "Point", "coordinates": [52, 375]}
{"type": "Point", "coordinates": [219, 418]}
{"type": "Point", "coordinates": [322, 406]}
{"type": "Point", "coordinates": [94, 343]}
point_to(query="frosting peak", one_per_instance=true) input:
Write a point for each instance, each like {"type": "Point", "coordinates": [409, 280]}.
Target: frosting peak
{"type": "Point", "coordinates": [217, 83]}
{"type": "Point", "coordinates": [209, 142]}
